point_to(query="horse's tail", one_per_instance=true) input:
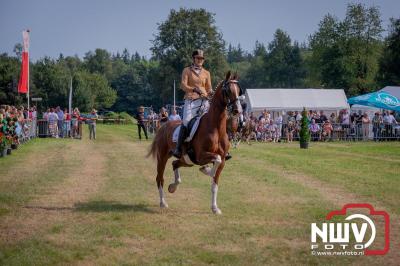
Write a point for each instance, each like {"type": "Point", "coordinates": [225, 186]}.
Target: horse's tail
{"type": "Point", "coordinates": [153, 152]}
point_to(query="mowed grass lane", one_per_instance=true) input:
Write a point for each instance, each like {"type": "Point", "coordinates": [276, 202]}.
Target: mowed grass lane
{"type": "Point", "coordinates": [85, 202]}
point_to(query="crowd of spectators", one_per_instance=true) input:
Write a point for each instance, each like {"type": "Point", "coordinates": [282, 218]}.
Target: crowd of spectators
{"type": "Point", "coordinates": [17, 124]}
{"type": "Point", "coordinates": [322, 127]}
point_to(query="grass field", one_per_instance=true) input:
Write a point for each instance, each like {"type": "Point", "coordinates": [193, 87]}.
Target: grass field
{"type": "Point", "coordinates": [84, 202]}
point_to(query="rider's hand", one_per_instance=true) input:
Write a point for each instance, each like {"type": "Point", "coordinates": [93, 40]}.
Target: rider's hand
{"type": "Point", "coordinates": [198, 91]}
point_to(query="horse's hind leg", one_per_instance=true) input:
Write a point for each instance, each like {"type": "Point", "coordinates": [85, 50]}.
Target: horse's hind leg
{"type": "Point", "coordinates": [160, 181]}
{"type": "Point", "coordinates": [175, 166]}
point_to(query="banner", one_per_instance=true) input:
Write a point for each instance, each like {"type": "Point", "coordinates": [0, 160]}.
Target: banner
{"type": "Point", "coordinates": [23, 84]}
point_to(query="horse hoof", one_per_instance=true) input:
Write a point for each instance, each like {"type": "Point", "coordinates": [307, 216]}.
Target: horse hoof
{"type": "Point", "coordinates": [216, 210]}
{"type": "Point", "coordinates": [163, 205]}
{"type": "Point", "coordinates": [172, 188]}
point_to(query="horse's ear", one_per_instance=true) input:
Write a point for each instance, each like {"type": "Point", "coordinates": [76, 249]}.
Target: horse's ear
{"type": "Point", "coordinates": [235, 76]}
{"type": "Point", "coordinates": [228, 76]}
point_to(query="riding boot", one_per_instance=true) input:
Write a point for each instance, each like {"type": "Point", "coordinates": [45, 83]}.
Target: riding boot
{"type": "Point", "coordinates": [182, 135]}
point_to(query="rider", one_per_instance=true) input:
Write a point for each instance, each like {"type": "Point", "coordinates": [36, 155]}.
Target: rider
{"type": "Point", "coordinates": [196, 83]}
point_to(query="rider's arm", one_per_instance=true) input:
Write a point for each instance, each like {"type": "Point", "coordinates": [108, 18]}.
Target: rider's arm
{"type": "Point", "coordinates": [208, 83]}
{"type": "Point", "coordinates": [184, 82]}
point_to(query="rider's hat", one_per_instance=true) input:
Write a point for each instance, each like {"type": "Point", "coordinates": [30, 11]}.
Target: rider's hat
{"type": "Point", "coordinates": [198, 53]}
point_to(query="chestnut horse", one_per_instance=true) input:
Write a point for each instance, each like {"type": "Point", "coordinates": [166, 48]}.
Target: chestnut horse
{"type": "Point", "coordinates": [210, 144]}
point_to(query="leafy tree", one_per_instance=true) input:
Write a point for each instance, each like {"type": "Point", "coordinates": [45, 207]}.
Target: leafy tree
{"type": "Point", "coordinates": [389, 72]}
{"type": "Point", "coordinates": [284, 65]}
{"type": "Point", "coordinates": [345, 53]}
{"type": "Point", "coordinates": [184, 31]}
{"type": "Point", "coordinates": [99, 62]}
{"type": "Point", "coordinates": [9, 74]}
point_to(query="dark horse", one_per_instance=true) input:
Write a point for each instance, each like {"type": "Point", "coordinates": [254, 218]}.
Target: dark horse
{"type": "Point", "coordinates": [210, 144]}
{"type": "Point", "coordinates": [233, 130]}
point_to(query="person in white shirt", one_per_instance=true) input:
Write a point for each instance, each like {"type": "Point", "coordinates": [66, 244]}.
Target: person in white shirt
{"type": "Point", "coordinates": [389, 121]}
{"type": "Point", "coordinates": [174, 116]}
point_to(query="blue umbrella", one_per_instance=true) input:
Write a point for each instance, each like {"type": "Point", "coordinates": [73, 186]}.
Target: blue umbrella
{"type": "Point", "coordinates": [379, 99]}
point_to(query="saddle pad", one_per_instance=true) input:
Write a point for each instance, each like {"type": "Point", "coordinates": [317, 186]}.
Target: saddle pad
{"type": "Point", "coordinates": [175, 135]}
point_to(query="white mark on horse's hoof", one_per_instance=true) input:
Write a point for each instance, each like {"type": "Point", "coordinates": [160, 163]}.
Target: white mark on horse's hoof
{"type": "Point", "coordinates": [163, 204]}
{"type": "Point", "coordinates": [172, 187]}
{"type": "Point", "coordinates": [216, 210]}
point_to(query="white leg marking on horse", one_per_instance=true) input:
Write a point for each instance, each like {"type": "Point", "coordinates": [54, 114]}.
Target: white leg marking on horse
{"type": "Point", "coordinates": [177, 176]}
{"type": "Point", "coordinates": [163, 203]}
{"type": "Point", "coordinates": [217, 161]}
{"type": "Point", "coordinates": [214, 193]}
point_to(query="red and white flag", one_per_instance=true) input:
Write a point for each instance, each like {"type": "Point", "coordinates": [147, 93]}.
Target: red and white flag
{"type": "Point", "coordinates": [23, 85]}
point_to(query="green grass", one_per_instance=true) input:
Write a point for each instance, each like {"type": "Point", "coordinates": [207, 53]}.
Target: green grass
{"type": "Point", "coordinates": [266, 215]}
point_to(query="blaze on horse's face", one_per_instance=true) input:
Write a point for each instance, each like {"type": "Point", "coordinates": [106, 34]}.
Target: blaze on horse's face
{"type": "Point", "coordinates": [232, 91]}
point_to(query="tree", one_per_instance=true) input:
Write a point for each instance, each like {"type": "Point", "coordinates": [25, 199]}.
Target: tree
{"type": "Point", "coordinates": [389, 66]}
{"type": "Point", "coordinates": [9, 73]}
{"type": "Point", "coordinates": [345, 53]}
{"type": "Point", "coordinates": [184, 31]}
{"type": "Point", "coordinates": [284, 65]}
{"type": "Point", "coordinates": [99, 62]}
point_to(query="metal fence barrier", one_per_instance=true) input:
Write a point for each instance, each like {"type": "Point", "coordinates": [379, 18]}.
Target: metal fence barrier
{"type": "Point", "coordinates": [59, 129]}
{"type": "Point", "coordinates": [346, 132]}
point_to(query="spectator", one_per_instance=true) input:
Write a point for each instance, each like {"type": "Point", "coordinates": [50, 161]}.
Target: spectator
{"type": "Point", "coordinates": [365, 126]}
{"type": "Point", "coordinates": [290, 131]}
{"type": "Point", "coordinates": [174, 116]}
{"type": "Point", "coordinates": [327, 130]}
{"type": "Point", "coordinates": [67, 123]}
{"type": "Point", "coordinates": [163, 116]}
{"type": "Point", "coordinates": [377, 126]}
{"type": "Point", "coordinates": [279, 123]}
{"type": "Point", "coordinates": [140, 122]}
{"type": "Point", "coordinates": [60, 121]}
{"type": "Point", "coordinates": [389, 121]}
{"type": "Point", "coordinates": [272, 130]}
{"type": "Point", "coordinates": [53, 121]}
{"type": "Point", "coordinates": [298, 116]}
{"type": "Point", "coordinates": [315, 130]}
{"type": "Point", "coordinates": [75, 123]}
{"type": "Point", "coordinates": [92, 118]}
{"type": "Point", "coordinates": [322, 116]}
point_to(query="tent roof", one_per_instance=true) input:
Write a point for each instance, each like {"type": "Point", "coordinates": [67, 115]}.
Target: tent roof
{"type": "Point", "coordinates": [296, 99]}
{"type": "Point", "coordinates": [393, 90]}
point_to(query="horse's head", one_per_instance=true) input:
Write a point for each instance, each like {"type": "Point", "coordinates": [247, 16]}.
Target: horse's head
{"type": "Point", "coordinates": [232, 93]}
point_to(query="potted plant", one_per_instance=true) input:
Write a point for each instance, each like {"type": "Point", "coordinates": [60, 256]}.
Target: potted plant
{"type": "Point", "coordinates": [8, 144]}
{"type": "Point", "coordinates": [304, 131]}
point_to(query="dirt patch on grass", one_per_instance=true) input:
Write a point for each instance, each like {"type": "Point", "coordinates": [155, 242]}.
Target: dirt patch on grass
{"type": "Point", "coordinates": [57, 203]}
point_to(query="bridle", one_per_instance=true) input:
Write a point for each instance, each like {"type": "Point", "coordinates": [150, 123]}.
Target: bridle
{"type": "Point", "coordinates": [226, 92]}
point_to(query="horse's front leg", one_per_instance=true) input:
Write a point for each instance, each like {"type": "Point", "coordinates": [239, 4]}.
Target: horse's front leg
{"type": "Point", "coordinates": [218, 166]}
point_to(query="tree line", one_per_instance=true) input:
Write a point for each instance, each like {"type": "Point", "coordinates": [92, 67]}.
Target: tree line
{"type": "Point", "coordinates": [350, 54]}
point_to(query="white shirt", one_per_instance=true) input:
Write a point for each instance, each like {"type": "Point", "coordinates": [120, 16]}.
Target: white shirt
{"type": "Point", "coordinates": [389, 119]}
{"type": "Point", "coordinates": [174, 117]}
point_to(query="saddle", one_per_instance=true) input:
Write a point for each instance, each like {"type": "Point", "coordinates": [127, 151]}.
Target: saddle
{"type": "Point", "coordinates": [188, 151]}
{"type": "Point", "coordinates": [191, 127]}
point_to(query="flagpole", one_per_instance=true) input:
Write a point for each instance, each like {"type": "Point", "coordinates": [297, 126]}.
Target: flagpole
{"type": "Point", "coordinates": [28, 31]}
{"type": "Point", "coordinates": [174, 96]}
{"type": "Point", "coordinates": [70, 96]}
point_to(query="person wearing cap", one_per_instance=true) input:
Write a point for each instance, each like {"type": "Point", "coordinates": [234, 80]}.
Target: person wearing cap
{"type": "Point", "coordinates": [140, 122]}
{"type": "Point", "coordinates": [196, 83]}
{"type": "Point", "coordinates": [91, 121]}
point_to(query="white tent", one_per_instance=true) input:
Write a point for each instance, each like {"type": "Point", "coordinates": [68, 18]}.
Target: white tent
{"type": "Point", "coordinates": [295, 99]}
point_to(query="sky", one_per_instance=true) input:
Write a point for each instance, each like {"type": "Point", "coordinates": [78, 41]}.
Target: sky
{"type": "Point", "coordinates": [75, 27]}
